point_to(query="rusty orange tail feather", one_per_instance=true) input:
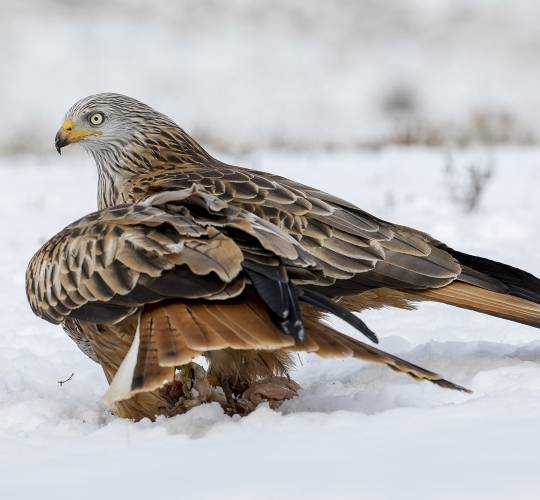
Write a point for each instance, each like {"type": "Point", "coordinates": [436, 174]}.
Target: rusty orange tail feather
{"type": "Point", "coordinates": [501, 305]}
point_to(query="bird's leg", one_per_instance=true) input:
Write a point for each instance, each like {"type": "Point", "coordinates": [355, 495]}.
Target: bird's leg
{"type": "Point", "coordinates": [191, 388]}
{"type": "Point", "coordinates": [229, 396]}
{"type": "Point", "coordinates": [274, 390]}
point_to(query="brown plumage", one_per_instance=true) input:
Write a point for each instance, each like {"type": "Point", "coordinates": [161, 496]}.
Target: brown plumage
{"type": "Point", "coordinates": [189, 256]}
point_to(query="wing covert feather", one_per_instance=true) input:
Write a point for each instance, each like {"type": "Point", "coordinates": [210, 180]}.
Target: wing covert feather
{"type": "Point", "coordinates": [175, 244]}
{"type": "Point", "coordinates": [346, 242]}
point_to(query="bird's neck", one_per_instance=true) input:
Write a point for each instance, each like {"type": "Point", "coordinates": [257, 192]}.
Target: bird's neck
{"type": "Point", "coordinates": [166, 149]}
{"type": "Point", "coordinates": [114, 174]}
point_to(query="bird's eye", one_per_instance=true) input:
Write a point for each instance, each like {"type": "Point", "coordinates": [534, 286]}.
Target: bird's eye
{"type": "Point", "coordinates": [96, 118]}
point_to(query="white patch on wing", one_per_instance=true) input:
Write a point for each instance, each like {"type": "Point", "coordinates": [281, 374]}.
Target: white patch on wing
{"type": "Point", "coordinates": [120, 387]}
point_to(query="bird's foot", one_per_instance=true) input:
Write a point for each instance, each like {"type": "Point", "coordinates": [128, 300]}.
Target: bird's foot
{"type": "Point", "coordinates": [274, 390]}
{"type": "Point", "coordinates": [190, 388]}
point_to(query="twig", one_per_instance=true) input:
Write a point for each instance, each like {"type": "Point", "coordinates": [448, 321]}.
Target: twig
{"type": "Point", "coordinates": [62, 382]}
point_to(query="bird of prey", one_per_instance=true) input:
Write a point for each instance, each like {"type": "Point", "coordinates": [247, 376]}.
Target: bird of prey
{"type": "Point", "coordinates": [188, 256]}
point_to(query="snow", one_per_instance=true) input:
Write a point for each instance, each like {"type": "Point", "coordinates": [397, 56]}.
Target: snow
{"type": "Point", "coordinates": [356, 430]}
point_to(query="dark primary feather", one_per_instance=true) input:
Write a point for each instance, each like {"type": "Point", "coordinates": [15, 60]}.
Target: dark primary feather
{"type": "Point", "coordinates": [280, 297]}
{"type": "Point", "coordinates": [510, 279]}
{"type": "Point", "coordinates": [320, 301]}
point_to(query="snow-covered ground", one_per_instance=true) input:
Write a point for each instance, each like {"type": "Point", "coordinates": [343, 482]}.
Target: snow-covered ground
{"type": "Point", "coordinates": [356, 430]}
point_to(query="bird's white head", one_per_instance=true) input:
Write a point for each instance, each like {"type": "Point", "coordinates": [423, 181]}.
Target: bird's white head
{"type": "Point", "coordinates": [109, 121]}
{"type": "Point", "coordinates": [125, 137]}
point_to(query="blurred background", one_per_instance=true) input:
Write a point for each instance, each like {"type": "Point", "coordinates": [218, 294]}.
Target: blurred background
{"type": "Point", "coordinates": [288, 74]}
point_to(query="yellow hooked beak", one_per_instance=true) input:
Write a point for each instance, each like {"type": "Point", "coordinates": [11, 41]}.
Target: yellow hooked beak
{"type": "Point", "coordinates": [68, 134]}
